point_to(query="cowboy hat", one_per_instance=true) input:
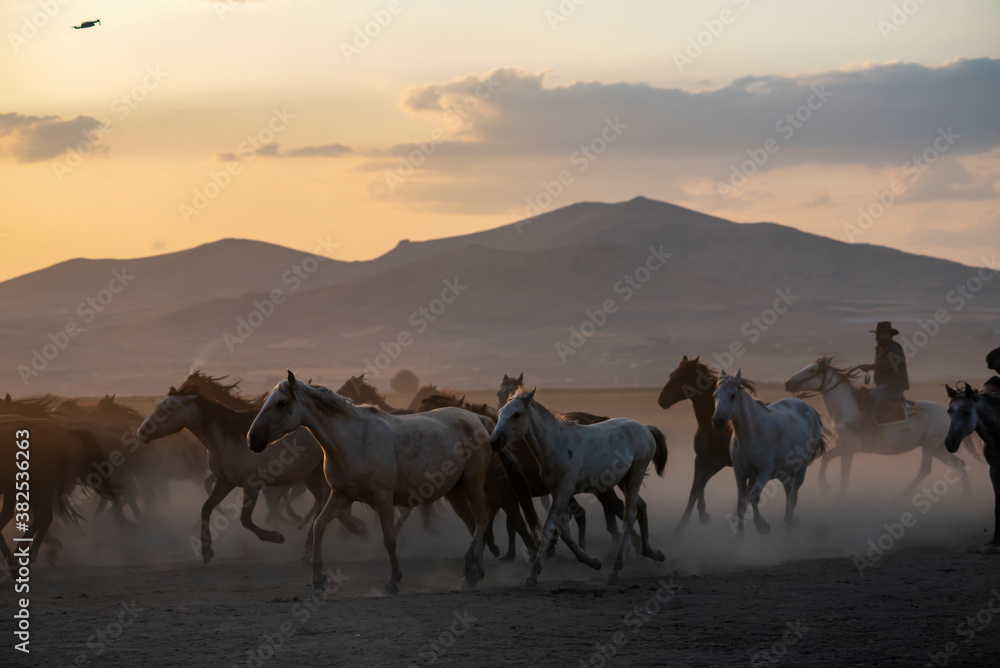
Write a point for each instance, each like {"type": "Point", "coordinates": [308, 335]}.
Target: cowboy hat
{"type": "Point", "coordinates": [884, 327]}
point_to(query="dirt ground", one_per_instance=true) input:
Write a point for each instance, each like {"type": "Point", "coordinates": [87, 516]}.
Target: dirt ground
{"type": "Point", "coordinates": [849, 587]}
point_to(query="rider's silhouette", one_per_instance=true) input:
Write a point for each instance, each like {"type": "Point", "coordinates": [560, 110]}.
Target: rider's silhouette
{"type": "Point", "coordinates": [891, 378]}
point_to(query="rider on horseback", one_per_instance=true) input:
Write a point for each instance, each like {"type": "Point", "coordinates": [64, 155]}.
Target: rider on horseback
{"type": "Point", "coordinates": [891, 378]}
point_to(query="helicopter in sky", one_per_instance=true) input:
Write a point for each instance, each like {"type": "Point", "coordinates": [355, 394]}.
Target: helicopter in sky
{"type": "Point", "coordinates": [88, 24]}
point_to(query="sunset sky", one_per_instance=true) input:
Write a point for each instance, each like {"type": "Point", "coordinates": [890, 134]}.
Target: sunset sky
{"type": "Point", "coordinates": [456, 116]}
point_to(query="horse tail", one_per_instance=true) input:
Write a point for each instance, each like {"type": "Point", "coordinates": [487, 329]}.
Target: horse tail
{"type": "Point", "coordinates": [660, 454]}
{"type": "Point", "coordinates": [93, 454]}
{"type": "Point", "coordinates": [521, 490]}
{"type": "Point", "coordinates": [823, 436]}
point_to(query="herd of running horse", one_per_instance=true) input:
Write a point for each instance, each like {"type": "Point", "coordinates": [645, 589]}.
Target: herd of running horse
{"type": "Point", "coordinates": [351, 446]}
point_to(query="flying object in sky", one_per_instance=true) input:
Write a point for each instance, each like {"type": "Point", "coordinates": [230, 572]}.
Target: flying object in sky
{"type": "Point", "coordinates": [88, 24]}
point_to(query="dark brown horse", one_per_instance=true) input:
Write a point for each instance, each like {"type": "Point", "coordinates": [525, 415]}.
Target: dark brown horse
{"type": "Point", "coordinates": [52, 458]}
{"type": "Point", "coordinates": [697, 381]}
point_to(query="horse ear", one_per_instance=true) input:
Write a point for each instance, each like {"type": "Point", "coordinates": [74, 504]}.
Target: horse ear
{"type": "Point", "coordinates": [697, 358]}
{"type": "Point", "coordinates": [952, 393]}
{"type": "Point", "coordinates": [172, 390]}
{"type": "Point", "coordinates": [7, 398]}
{"type": "Point", "coordinates": [968, 391]}
{"type": "Point", "coordinates": [520, 379]}
{"type": "Point", "coordinates": [684, 359]}
{"type": "Point", "coordinates": [462, 400]}
{"type": "Point", "coordinates": [739, 375]}
{"type": "Point", "coordinates": [529, 396]}
{"type": "Point", "coordinates": [291, 381]}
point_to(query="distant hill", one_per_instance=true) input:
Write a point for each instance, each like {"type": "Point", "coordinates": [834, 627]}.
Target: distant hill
{"type": "Point", "coordinates": [522, 287]}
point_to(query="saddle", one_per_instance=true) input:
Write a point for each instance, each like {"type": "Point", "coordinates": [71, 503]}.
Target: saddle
{"type": "Point", "coordinates": [896, 412]}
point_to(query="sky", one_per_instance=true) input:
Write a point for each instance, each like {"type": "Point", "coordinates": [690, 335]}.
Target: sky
{"type": "Point", "coordinates": [179, 122]}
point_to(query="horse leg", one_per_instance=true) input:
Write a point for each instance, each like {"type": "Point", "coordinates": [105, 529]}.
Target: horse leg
{"type": "Point", "coordinates": [220, 490]}
{"type": "Point", "coordinates": [39, 527]}
{"type": "Point", "coordinates": [697, 495]}
{"type": "Point", "coordinates": [741, 500]}
{"type": "Point", "coordinates": [246, 518]}
{"type": "Point", "coordinates": [830, 455]}
{"type": "Point", "coordinates": [335, 503]}
{"type": "Point", "coordinates": [427, 513]}
{"type": "Point", "coordinates": [791, 485]}
{"type": "Point", "coordinates": [516, 526]}
{"type": "Point", "coordinates": [489, 540]}
{"type": "Point", "coordinates": [318, 489]}
{"type": "Point", "coordinates": [632, 481]}
{"type": "Point", "coordinates": [6, 515]}
{"type": "Point", "coordinates": [708, 474]}
{"type": "Point", "coordinates": [995, 479]}
{"type": "Point", "coordinates": [845, 471]}
{"type": "Point", "coordinates": [958, 464]}
{"type": "Point", "coordinates": [385, 509]}
{"type": "Point", "coordinates": [925, 469]}
{"type": "Point", "coordinates": [560, 498]}
{"type": "Point", "coordinates": [760, 482]}
{"type": "Point", "coordinates": [469, 508]}
{"type": "Point", "coordinates": [647, 549]}
{"type": "Point", "coordinates": [614, 510]}
{"type": "Point", "coordinates": [580, 515]}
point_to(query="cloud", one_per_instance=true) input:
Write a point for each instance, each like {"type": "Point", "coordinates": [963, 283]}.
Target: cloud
{"type": "Point", "coordinates": [873, 115]}
{"type": "Point", "coordinates": [979, 234]}
{"type": "Point", "coordinates": [36, 138]}
{"type": "Point", "coordinates": [949, 179]}
{"type": "Point", "coordinates": [273, 150]}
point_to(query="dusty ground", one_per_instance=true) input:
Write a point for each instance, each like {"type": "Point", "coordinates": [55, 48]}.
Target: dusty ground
{"type": "Point", "coordinates": [139, 597]}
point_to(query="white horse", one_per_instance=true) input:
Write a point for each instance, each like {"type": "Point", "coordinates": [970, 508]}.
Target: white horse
{"type": "Point", "coordinates": [770, 441]}
{"type": "Point", "coordinates": [925, 428]}
{"type": "Point", "coordinates": [222, 430]}
{"type": "Point", "coordinates": [578, 458]}
{"type": "Point", "coordinates": [971, 411]}
{"type": "Point", "coordinates": [385, 461]}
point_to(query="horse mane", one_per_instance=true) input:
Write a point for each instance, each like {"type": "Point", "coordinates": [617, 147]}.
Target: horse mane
{"type": "Point", "coordinates": [212, 388]}
{"type": "Point", "coordinates": [117, 410]}
{"type": "Point", "coordinates": [360, 392]}
{"type": "Point", "coordinates": [31, 407]}
{"type": "Point", "coordinates": [565, 419]}
{"type": "Point", "coordinates": [850, 375]}
{"type": "Point", "coordinates": [328, 400]}
{"type": "Point", "coordinates": [750, 387]}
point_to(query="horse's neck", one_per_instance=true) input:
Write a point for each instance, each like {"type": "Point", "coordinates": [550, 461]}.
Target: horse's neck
{"type": "Point", "coordinates": [337, 435]}
{"type": "Point", "coordinates": [225, 447]}
{"type": "Point", "coordinates": [988, 424]}
{"type": "Point", "coordinates": [842, 403]}
{"type": "Point", "coordinates": [543, 436]}
{"type": "Point", "coordinates": [704, 408]}
{"type": "Point", "coordinates": [748, 422]}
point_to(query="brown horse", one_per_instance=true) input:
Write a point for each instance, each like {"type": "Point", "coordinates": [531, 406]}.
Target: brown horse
{"type": "Point", "coordinates": [613, 506]}
{"type": "Point", "coordinates": [697, 381]}
{"type": "Point", "coordinates": [55, 458]}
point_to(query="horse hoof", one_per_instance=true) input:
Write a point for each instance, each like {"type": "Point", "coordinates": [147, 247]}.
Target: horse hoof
{"type": "Point", "coordinates": [655, 555]}
{"type": "Point", "coordinates": [763, 528]}
{"type": "Point", "coordinates": [207, 555]}
{"type": "Point", "coordinates": [390, 589]}
{"type": "Point", "coordinates": [319, 584]}
{"type": "Point", "coordinates": [704, 518]}
{"type": "Point", "coordinates": [276, 537]}
{"type": "Point", "coordinates": [530, 581]}
{"type": "Point", "coordinates": [494, 550]}
{"type": "Point", "coordinates": [613, 578]}
{"type": "Point", "coordinates": [594, 563]}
